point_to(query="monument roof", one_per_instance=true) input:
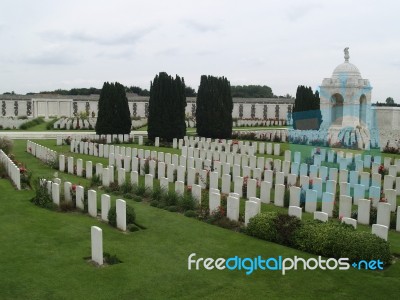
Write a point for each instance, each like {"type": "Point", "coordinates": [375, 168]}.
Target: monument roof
{"type": "Point", "coordinates": [346, 69]}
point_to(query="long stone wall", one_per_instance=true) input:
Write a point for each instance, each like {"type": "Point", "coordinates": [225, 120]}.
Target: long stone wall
{"type": "Point", "coordinates": [68, 106]}
{"type": "Point", "coordinates": [387, 119]}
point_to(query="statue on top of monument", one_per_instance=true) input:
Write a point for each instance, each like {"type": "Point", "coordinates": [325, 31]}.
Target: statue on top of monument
{"type": "Point", "coordinates": [346, 54]}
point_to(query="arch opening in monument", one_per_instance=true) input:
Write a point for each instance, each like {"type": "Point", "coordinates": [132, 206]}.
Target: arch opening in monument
{"type": "Point", "coordinates": [363, 110]}
{"type": "Point", "coordinates": [337, 109]}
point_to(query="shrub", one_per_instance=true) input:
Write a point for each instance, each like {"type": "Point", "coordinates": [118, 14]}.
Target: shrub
{"type": "Point", "coordinates": [42, 197]}
{"type": "Point", "coordinates": [130, 216]}
{"type": "Point", "coordinates": [286, 227]}
{"type": "Point", "coordinates": [393, 220]}
{"type": "Point", "coordinates": [190, 214]}
{"type": "Point", "coordinates": [224, 222]}
{"type": "Point", "coordinates": [187, 202]}
{"type": "Point", "coordinates": [95, 180]}
{"type": "Point", "coordinates": [137, 198]}
{"type": "Point", "coordinates": [161, 205]}
{"type": "Point", "coordinates": [111, 259]}
{"type": "Point", "coordinates": [373, 215]}
{"type": "Point", "coordinates": [126, 187]}
{"type": "Point", "coordinates": [3, 171]}
{"type": "Point", "coordinates": [112, 188]}
{"type": "Point", "coordinates": [129, 196]}
{"type": "Point", "coordinates": [67, 206]}
{"type": "Point", "coordinates": [140, 190]}
{"type": "Point", "coordinates": [172, 208]}
{"type": "Point", "coordinates": [31, 123]}
{"type": "Point", "coordinates": [6, 145]}
{"type": "Point", "coordinates": [154, 203]}
{"type": "Point", "coordinates": [132, 228]}
{"type": "Point", "coordinates": [263, 227]}
{"type": "Point", "coordinates": [50, 125]}
{"type": "Point", "coordinates": [329, 239]}
{"type": "Point", "coordinates": [156, 193]}
{"type": "Point", "coordinates": [286, 197]}
{"type": "Point", "coordinates": [170, 198]}
{"type": "Point", "coordinates": [337, 240]}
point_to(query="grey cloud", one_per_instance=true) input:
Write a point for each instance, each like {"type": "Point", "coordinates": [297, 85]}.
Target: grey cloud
{"type": "Point", "coordinates": [125, 54]}
{"type": "Point", "coordinates": [169, 52]}
{"type": "Point", "coordinates": [52, 58]}
{"type": "Point", "coordinates": [127, 38]}
{"type": "Point", "coordinates": [200, 27]}
{"type": "Point", "coordinates": [205, 52]}
{"type": "Point", "coordinates": [300, 11]}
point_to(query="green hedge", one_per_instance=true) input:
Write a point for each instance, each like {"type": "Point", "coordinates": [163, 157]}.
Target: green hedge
{"type": "Point", "coordinates": [329, 239]}
{"type": "Point", "coordinates": [31, 123]}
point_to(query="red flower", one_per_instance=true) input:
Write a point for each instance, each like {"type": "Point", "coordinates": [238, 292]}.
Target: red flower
{"type": "Point", "coordinates": [73, 187]}
{"type": "Point", "coordinates": [22, 170]}
{"type": "Point", "coordinates": [189, 188]}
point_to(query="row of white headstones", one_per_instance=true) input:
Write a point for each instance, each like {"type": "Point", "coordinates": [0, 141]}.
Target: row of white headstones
{"type": "Point", "coordinates": [12, 169]}
{"type": "Point", "coordinates": [327, 204]}
{"type": "Point", "coordinates": [249, 163]}
{"type": "Point", "coordinates": [53, 189]}
{"type": "Point", "coordinates": [85, 147]}
{"type": "Point", "coordinates": [253, 205]}
{"type": "Point", "coordinates": [292, 177]}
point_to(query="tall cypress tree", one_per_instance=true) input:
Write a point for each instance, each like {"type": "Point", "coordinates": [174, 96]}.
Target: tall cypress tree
{"type": "Point", "coordinates": [114, 115]}
{"type": "Point", "coordinates": [167, 107]}
{"type": "Point", "coordinates": [214, 107]}
{"type": "Point", "coordinates": [306, 106]}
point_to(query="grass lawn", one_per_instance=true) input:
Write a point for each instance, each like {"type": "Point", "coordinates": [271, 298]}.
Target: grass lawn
{"type": "Point", "coordinates": [43, 256]}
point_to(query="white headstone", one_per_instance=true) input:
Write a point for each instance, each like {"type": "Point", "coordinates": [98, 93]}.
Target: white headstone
{"type": "Point", "coordinates": [121, 214]}
{"type": "Point", "coordinates": [80, 197]}
{"type": "Point", "coordinates": [180, 187]}
{"type": "Point", "coordinates": [350, 221]}
{"type": "Point", "coordinates": [364, 207]}
{"type": "Point", "coordinates": [321, 216]}
{"type": "Point", "coordinates": [97, 245]}
{"type": "Point", "coordinates": [328, 200]}
{"type": "Point", "coordinates": [233, 207]}
{"type": "Point", "coordinates": [279, 195]}
{"type": "Point", "coordinates": [380, 231]}
{"type": "Point", "coordinates": [295, 211]}
{"type": "Point", "coordinates": [92, 203]}
{"type": "Point", "coordinates": [105, 206]}
{"type": "Point", "coordinates": [311, 201]}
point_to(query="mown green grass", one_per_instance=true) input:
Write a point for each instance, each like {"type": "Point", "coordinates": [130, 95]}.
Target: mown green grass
{"type": "Point", "coordinates": [43, 254]}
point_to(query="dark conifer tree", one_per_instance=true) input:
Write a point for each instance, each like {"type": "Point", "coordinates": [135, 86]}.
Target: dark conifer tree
{"type": "Point", "coordinates": [306, 105]}
{"type": "Point", "coordinates": [214, 108]}
{"type": "Point", "coordinates": [167, 107]}
{"type": "Point", "coordinates": [114, 115]}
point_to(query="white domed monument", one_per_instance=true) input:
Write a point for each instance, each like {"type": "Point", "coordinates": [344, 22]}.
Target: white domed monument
{"type": "Point", "coordinates": [346, 105]}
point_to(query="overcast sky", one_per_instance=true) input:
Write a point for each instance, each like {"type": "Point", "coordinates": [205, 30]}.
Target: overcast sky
{"type": "Point", "coordinates": [52, 44]}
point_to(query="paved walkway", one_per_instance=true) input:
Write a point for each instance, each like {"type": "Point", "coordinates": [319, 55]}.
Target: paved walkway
{"type": "Point", "coordinates": [22, 135]}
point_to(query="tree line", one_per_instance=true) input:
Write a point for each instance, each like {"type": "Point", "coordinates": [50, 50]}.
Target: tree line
{"type": "Point", "coordinates": [166, 110]}
{"type": "Point", "coordinates": [237, 91]}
